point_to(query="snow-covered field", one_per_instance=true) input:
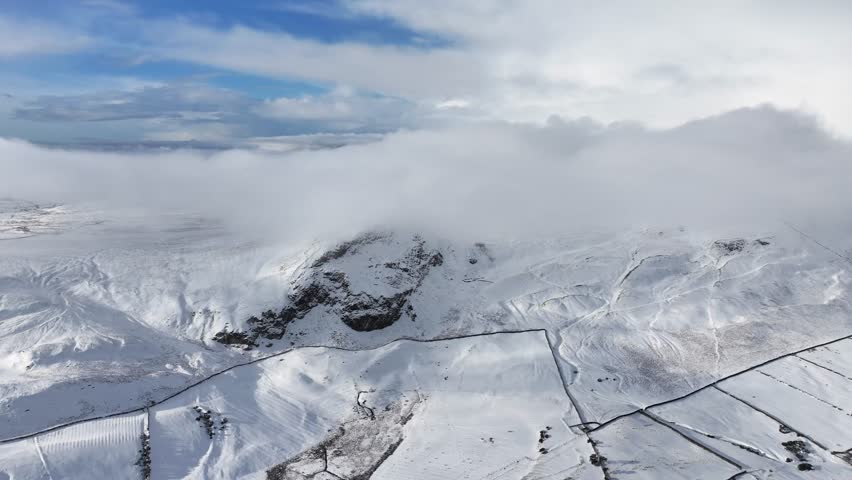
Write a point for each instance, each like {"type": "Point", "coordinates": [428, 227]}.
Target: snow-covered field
{"type": "Point", "coordinates": [107, 448]}
{"type": "Point", "coordinates": [105, 312]}
{"type": "Point", "coordinates": [20, 219]}
{"type": "Point", "coordinates": [481, 407]}
{"type": "Point", "coordinates": [474, 405]}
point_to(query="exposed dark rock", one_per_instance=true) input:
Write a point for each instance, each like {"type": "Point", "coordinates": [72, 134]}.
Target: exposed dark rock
{"type": "Point", "coordinates": [805, 466]}
{"type": "Point", "coordinates": [323, 285]}
{"type": "Point", "coordinates": [846, 456]}
{"type": "Point", "coordinates": [347, 248]}
{"type": "Point", "coordinates": [798, 448]}
{"type": "Point", "coordinates": [236, 338]}
{"type": "Point", "coordinates": [144, 460]}
{"type": "Point", "coordinates": [597, 460]}
{"type": "Point", "coordinates": [728, 247]}
{"type": "Point", "coordinates": [483, 250]}
{"type": "Point", "coordinates": [207, 419]}
{"type": "Point", "coordinates": [355, 450]}
{"type": "Point", "coordinates": [364, 313]}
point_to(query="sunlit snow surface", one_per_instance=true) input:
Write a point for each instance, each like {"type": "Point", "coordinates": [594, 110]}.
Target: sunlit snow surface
{"type": "Point", "coordinates": [106, 312]}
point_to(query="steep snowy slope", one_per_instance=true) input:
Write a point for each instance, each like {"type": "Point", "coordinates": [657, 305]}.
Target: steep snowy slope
{"type": "Point", "coordinates": [87, 331]}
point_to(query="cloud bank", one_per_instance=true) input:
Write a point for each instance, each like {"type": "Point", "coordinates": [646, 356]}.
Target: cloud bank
{"type": "Point", "coordinates": [746, 167]}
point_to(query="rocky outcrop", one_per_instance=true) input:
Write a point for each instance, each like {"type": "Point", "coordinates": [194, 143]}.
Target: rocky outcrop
{"type": "Point", "coordinates": [380, 298]}
{"type": "Point", "coordinates": [359, 446]}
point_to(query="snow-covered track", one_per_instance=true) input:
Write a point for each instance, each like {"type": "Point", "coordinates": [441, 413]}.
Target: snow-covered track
{"type": "Point", "coordinates": [601, 425]}
{"type": "Point", "coordinates": [280, 408]}
{"type": "Point", "coordinates": [254, 361]}
{"type": "Point", "coordinates": [788, 415]}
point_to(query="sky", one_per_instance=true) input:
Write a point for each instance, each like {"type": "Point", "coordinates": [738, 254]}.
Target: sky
{"type": "Point", "coordinates": [285, 73]}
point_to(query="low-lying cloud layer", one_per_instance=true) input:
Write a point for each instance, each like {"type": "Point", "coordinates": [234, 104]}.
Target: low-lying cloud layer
{"type": "Point", "coordinates": [745, 167]}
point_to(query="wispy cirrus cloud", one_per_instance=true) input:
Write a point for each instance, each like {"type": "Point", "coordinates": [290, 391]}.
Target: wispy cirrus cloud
{"type": "Point", "coordinates": [114, 6]}
{"type": "Point", "coordinates": [327, 9]}
{"type": "Point", "coordinates": [405, 71]}
{"type": "Point", "coordinates": [27, 37]}
{"type": "Point", "coordinates": [186, 101]}
{"type": "Point", "coordinates": [345, 109]}
{"type": "Point", "coordinates": [194, 111]}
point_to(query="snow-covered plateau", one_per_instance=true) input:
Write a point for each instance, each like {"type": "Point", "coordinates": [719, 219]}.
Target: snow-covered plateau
{"type": "Point", "coordinates": [163, 347]}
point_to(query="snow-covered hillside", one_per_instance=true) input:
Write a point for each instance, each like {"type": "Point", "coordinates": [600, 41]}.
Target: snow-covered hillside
{"type": "Point", "coordinates": [594, 336]}
{"type": "Point", "coordinates": [19, 219]}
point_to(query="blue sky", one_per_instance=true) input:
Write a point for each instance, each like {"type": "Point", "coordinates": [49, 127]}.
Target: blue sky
{"type": "Point", "coordinates": [113, 87]}
{"type": "Point", "coordinates": [226, 72]}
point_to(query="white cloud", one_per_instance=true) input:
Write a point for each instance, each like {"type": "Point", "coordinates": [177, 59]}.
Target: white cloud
{"type": "Point", "coordinates": [658, 62]}
{"type": "Point", "coordinates": [189, 101]}
{"type": "Point", "coordinates": [113, 6]}
{"type": "Point", "coordinates": [204, 132]}
{"type": "Point", "coordinates": [343, 109]}
{"type": "Point", "coordinates": [746, 168]}
{"type": "Point", "coordinates": [392, 70]}
{"type": "Point", "coordinates": [327, 9]}
{"type": "Point", "coordinates": [193, 111]}
{"type": "Point", "coordinates": [307, 108]}
{"type": "Point", "coordinates": [314, 141]}
{"type": "Point", "coordinates": [19, 37]}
